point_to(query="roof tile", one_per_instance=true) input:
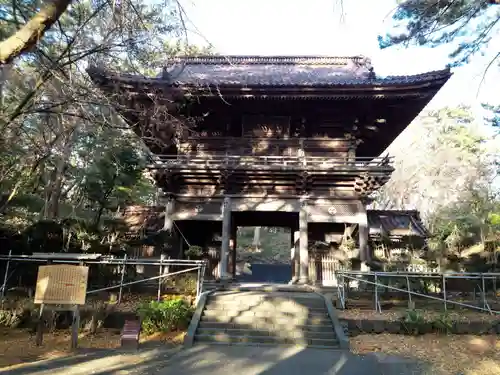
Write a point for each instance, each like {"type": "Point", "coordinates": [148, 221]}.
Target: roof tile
{"type": "Point", "coordinates": [280, 71]}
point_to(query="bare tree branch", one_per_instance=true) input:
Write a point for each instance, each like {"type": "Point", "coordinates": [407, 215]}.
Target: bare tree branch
{"type": "Point", "coordinates": [27, 37]}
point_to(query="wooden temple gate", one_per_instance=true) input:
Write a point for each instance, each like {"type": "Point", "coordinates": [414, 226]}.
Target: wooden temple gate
{"type": "Point", "coordinates": [264, 135]}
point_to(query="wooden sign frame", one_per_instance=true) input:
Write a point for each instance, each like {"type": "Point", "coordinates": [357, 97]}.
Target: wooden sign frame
{"type": "Point", "coordinates": [61, 287]}
{"type": "Point", "coordinates": [61, 284]}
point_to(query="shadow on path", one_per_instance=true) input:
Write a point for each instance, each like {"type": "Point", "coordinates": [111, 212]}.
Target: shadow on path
{"type": "Point", "coordinates": [219, 360]}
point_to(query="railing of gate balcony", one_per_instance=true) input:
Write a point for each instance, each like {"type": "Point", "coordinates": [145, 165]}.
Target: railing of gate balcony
{"type": "Point", "coordinates": [272, 162]}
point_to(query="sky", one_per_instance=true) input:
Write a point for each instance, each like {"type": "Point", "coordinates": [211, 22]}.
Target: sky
{"type": "Point", "coordinates": [317, 27]}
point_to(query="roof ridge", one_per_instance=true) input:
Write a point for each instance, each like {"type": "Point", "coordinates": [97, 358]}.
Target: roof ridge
{"type": "Point", "coordinates": [277, 59]}
{"type": "Point", "coordinates": [417, 75]}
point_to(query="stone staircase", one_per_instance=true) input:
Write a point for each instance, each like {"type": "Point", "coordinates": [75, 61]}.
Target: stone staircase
{"type": "Point", "coordinates": [259, 317]}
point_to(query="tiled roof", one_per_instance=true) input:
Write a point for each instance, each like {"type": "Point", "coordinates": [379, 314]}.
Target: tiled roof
{"type": "Point", "coordinates": [305, 71]}
{"type": "Point", "coordinates": [396, 223]}
{"type": "Point", "coordinates": [281, 71]}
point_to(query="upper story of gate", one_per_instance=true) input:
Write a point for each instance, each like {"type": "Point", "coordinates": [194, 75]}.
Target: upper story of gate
{"type": "Point", "coordinates": [269, 106]}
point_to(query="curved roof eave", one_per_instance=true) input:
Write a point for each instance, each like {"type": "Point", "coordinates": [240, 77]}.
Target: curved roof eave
{"type": "Point", "coordinates": [101, 77]}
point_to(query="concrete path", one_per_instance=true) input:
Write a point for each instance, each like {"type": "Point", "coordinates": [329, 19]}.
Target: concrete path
{"type": "Point", "coordinates": [223, 360]}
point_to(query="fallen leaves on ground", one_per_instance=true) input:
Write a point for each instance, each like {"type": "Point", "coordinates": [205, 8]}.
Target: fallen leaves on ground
{"type": "Point", "coordinates": [449, 355]}
{"type": "Point", "coordinates": [129, 302]}
{"type": "Point", "coordinates": [430, 315]}
{"type": "Point", "coordinates": [18, 346]}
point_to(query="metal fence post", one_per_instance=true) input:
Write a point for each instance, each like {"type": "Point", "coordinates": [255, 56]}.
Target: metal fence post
{"type": "Point", "coordinates": [6, 277]}
{"type": "Point", "coordinates": [158, 298]}
{"type": "Point", "coordinates": [376, 293]}
{"type": "Point", "coordinates": [198, 283]}
{"type": "Point", "coordinates": [483, 290]}
{"type": "Point", "coordinates": [444, 292]}
{"type": "Point", "coordinates": [495, 288]}
{"type": "Point", "coordinates": [124, 266]}
{"type": "Point", "coordinates": [410, 304]}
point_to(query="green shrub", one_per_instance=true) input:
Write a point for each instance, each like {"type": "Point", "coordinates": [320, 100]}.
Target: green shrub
{"type": "Point", "coordinates": [194, 251]}
{"type": "Point", "coordinates": [414, 322]}
{"type": "Point", "coordinates": [444, 323]}
{"type": "Point", "coordinates": [14, 318]}
{"type": "Point", "coordinates": [165, 316]}
{"type": "Point", "coordinates": [183, 284]}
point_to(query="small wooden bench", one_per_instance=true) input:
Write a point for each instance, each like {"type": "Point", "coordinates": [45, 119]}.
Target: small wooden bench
{"type": "Point", "coordinates": [130, 334]}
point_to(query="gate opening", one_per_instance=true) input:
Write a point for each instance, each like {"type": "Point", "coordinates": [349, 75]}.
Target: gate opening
{"type": "Point", "coordinates": [263, 254]}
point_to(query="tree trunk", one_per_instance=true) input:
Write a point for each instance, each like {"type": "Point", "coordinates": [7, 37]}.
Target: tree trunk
{"type": "Point", "coordinates": [27, 37]}
{"type": "Point", "coordinates": [65, 134]}
{"type": "Point", "coordinates": [57, 184]}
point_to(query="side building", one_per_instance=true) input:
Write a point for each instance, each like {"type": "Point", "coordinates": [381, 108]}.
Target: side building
{"type": "Point", "coordinates": [269, 141]}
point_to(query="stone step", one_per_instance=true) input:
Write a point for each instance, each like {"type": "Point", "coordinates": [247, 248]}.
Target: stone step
{"type": "Point", "coordinates": [264, 311]}
{"type": "Point", "coordinates": [265, 294]}
{"type": "Point", "coordinates": [266, 314]}
{"type": "Point", "coordinates": [276, 320]}
{"type": "Point", "coordinates": [291, 334]}
{"type": "Point", "coordinates": [262, 305]}
{"type": "Point", "coordinates": [230, 339]}
{"type": "Point", "coordinates": [273, 345]}
{"type": "Point", "coordinates": [261, 317]}
{"type": "Point", "coordinates": [281, 327]}
{"type": "Point", "coordinates": [273, 297]}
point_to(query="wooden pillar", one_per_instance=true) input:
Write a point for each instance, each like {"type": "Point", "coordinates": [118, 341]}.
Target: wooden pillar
{"type": "Point", "coordinates": [232, 246]}
{"type": "Point", "coordinates": [303, 246]}
{"type": "Point", "coordinates": [295, 254]}
{"type": "Point", "coordinates": [169, 211]}
{"type": "Point", "coordinates": [226, 234]}
{"type": "Point", "coordinates": [363, 233]}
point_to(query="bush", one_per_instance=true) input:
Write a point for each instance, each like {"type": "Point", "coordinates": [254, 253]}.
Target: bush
{"type": "Point", "coordinates": [165, 316]}
{"type": "Point", "coordinates": [14, 318]}
{"type": "Point", "coordinates": [194, 251]}
{"type": "Point", "coordinates": [414, 322]}
{"type": "Point", "coordinates": [444, 323]}
{"type": "Point", "coordinates": [183, 284]}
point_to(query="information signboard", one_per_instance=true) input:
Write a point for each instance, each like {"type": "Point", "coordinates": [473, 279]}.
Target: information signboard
{"type": "Point", "coordinates": [61, 284]}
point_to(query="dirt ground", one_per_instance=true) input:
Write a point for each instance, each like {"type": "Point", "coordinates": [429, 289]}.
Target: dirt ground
{"type": "Point", "coordinates": [449, 355]}
{"type": "Point", "coordinates": [470, 355]}
{"type": "Point", "coordinates": [129, 302]}
{"type": "Point", "coordinates": [393, 314]}
{"type": "Point", "coordinates": [18, 346]}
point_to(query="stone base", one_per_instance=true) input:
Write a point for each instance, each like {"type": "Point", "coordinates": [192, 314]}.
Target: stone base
{"type": "Point", "coordinates": [364, 267]}
{"type": "Point", "coordinates": [303, 281]}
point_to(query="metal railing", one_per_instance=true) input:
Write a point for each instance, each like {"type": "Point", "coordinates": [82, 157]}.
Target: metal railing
{"type": "Point", "coordinates": [272, 162]}
{"type": "Point", "coordinates": [358, 276]}
{"type": "Point", "coordinates": [122, 263]}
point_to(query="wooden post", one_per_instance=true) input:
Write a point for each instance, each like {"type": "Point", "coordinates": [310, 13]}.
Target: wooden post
{"type": "Point", "coordinates": [39, 327]}
{"type": "Point", "coordinates": [75, 327]}
{"type": "Point", "coordinates": [234, 236]}
{"type": "Point", "coordinates": [226, 233]}
{"type": "Point", "coordinates": [169, 211]}
{"type": "Point", "coordinates": [292, 255]}
{"type": "Point", "coordinates": [303, 246]}
{"type": "Point", "coordinates": [363, 233]}
{"type": "Point", "coordinates": [351, 153]}
{"type": "Point", "coordinates": [295, 238]}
